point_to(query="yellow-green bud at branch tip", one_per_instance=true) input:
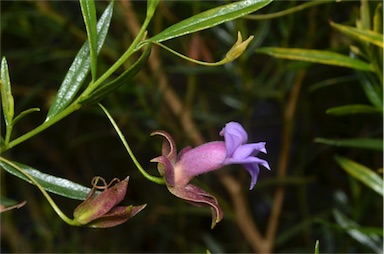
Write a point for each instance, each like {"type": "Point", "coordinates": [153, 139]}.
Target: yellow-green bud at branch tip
{"type": "Point", "coordinates": [238, 48]}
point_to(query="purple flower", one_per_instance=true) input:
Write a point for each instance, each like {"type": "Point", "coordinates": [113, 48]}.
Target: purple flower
{"type": "Point", "coordinates": [238, 152]}
{"type": "Point", "coordinates": [179, 169]}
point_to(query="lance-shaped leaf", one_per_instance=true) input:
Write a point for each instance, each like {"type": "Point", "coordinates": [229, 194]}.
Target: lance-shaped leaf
{"type": "Point", "coordinates": [80, 67]}
{"type": "Point", "coordinates": [316, 56]}
{"type": "Point", "coordinates": [23, 114]}
{"type": "Point", "coordinates": [103, 90]}
{"type": "Point", "coordinates": [361, 34]}
{"type": "Point", "coordinates": [89, 15]}
{"type": "Point", "coordinates": [360, 234]}
{"type": "Point", "coordinates": [151, 7]}
{"type": "Point", "coordinates": [353, 109]}
{"type": "Point", "coordinates": [378, 18]}
{"type": "Point", "coordinates": [373, 90]}
{"type": "Point", "coordinates": [6, 93]}
{"type": "Point", "coordinates": [50, 183]}
{"type": "Point", "coordinates": [362, 173]}
{"type": "Point", "coordinates": [364, 143]}
{"type": "Point", "coordinates": [317, 248]}
{"type": "Point", "coordinates": [210, 18]}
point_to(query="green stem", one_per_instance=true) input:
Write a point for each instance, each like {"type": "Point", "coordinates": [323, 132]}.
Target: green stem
{"type": "Point", "coordinates": [287, 11]}
{"type": "Point", "coordinates": [71, 108]}
{"type": "Point", "coordinates": [46, 195]}
{"type": "Point", "coordinates": [132, 48]}
{"type": "Point", "coordinates": [221, 62]}
{"type": "Point", "coordinates": [154, 179]}
{"type": "Point", "coordinates": [8, 131]}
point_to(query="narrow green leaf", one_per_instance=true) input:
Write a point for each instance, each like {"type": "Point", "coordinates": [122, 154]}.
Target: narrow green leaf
{"type": "Point", "coordinates": [365, 17]}
{"type": "Point", "coordinates": [88, 10]}
{"type": "Point", "coordinates": [365, 143]}
{"type": "Point", "coordinates": [378, 19]}
{"type": "Point", "coordinates": [332, 82]}
{"type": "Point", "coordinates": [372, 230]}
{"type": "Point", "coordinates": [6, 93]}
{"type": "Point", "coordinates": [124, 79]}
{"type": "Point", "coordinates": [210, 18]}
{"type": "Point", "coordinates": [50, 183]}
{"type": "Point", "coordinates": [370, 240]}
{"type": "Point", "coordinates": [362, 173]}
{"type": "Point", "coordinates": [80, 67]}
{"type": "Point", "coordinates": [316, 56]}
{"type": "Point", "coordinates": [317, 249]}
{"type": "Point", "coordinates": [353, 109]}
{"type": "Point", "coordinates": [24, 113]}
{"type": "Point", "coordinates": [361, 34]}
{"type": "Point", "coordinates": [151, 7]}
{"type": "Point", "coordinates": [294, 231]}
{"type": "Point", "coordinates": [373, 91]}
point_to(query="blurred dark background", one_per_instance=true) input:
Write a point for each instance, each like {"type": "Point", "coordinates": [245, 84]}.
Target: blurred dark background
{"type": "Point", "coordinates": [40, 40]}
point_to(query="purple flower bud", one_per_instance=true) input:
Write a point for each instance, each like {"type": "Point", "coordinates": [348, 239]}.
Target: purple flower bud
{"type": "Point", "coordinates": [101, 211]}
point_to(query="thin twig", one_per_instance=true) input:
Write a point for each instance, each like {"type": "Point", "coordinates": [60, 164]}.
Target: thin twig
{"type": "Point", "coordinates": [284, 157]}
{"type": "Point", "coordinates": [243, 215]}
{"type": "Point", "coordinates": [283, 160]}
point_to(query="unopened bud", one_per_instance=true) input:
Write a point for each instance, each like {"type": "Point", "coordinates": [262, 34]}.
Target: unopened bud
{"type": "Point", "coordinates": [238, 48]}
{"type": "Point", "coordinates": [101, 211]}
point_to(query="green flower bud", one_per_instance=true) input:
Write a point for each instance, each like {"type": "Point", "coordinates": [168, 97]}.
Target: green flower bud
{"type": "Point", "coordinates": [238, 48]}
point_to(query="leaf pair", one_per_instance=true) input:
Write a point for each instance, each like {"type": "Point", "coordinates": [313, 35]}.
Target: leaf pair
{"type": "Point", "coordinates": [85, 58]}
{"type": "Point", "coordinates": [7, 102]}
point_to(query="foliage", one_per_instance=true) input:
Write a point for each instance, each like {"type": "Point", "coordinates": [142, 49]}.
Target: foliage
{"type": "Point", "coordinates": [309, 83]}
